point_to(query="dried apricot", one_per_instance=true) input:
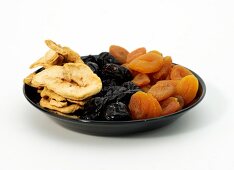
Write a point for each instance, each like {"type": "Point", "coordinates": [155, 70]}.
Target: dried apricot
{"type": "Point", "coordinates": [163, 89]}
{"type": "Point", "coordinates": [144, 106]}
{"type": "Point", "coordinates": [147, 63]}
{"type": "Point", "coordinates": [136, 53]}
{"type": "Point", "coordinates": [119, 53]}
{"type": "Point", "coordinates": [146, 88]}
{"type": "Point", "coordinates": [180, 100]}
{"type": "Point", "coordinates": [178, 72]}
{"type": "Point", "coordinates": [187, 88]}
{"type": "Point", "coordinates": [170, 105]}
{"type": "Point", "coordinates": [141, 79]}
{"type": "Point", "coordinates": [157, 52]}
{"type": "Point", "coordinates": [165, 70]}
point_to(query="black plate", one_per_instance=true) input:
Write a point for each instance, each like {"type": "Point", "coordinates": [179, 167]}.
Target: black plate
{"type": "Point", "coordinates": [112, 128]}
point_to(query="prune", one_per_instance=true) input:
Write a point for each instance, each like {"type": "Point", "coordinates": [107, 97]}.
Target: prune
{"type": "Point", "coordinates": [130, 86]}
{"type": "Point", "coordinates": [115, 93]}
{"type": "Point", "coordinates": [94, 67]}
{"type": "Point", "coordinates": [116, 111]}
{"type": "Point", "coordinates": [93, 108]}
{"type": "Point", "coordinates": [90, 58]}
{"type": "Point", "coordinates": [120, 93]}
{"type": "Point", "coordinates": [117, 72]}
{"type": "Point", "coordinates": [105, 58]}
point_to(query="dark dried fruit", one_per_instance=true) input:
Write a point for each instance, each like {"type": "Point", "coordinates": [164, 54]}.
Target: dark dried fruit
{"type": "Point", "coordinates": [90, 58]}
{"type": "Point", "coordinates": [117, 111]}
{"type": "Point", "coordinates": [117, 72]}
{"type": "Point", "coordinates": [105, 58]}
{"type": "Point", "coordinates": [94, 67]}
{"type": "Point", "coordinates": [94, 108]}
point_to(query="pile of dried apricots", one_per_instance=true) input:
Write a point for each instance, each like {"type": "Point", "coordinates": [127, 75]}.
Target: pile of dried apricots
{"type": "Point", "coordinates": [166, 87]}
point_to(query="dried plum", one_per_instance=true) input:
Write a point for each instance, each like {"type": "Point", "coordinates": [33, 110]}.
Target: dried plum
{"type": "Point", "coordinates": [93, 108]}
{"type": "Point", "coordinates": [117, 72]}
{"type": "Point", "coordinates": [116, 111]}
{"type": "Point", "coordinates": [130, 85]}
{"type": "Point", "coordinates": [90, 58]}
{"type": "Point", "coordinates": [93, 66]}
{"type": "Point", "coordinates": [105, 58]}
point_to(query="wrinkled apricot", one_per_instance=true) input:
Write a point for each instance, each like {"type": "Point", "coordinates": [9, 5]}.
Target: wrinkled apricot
{"type": "Point", "coordinates": [119, 53]}
{"type": "Point", "coordinates": [157, 52]}
{"type": "Point", "coordinates": [178, 72]}
{"type": "Point", "coordinates": [141, 79]}
{"type": "Point", "coordinates": [146, 88]}
{"type": "Point", "coordinates": [165, 70]}
{"type": "Point", "coordinates": [136, 53]}
{"type": "Point", "coordinates": [187, 87]}
{"type": "Point", "coordinates": [180, 100]}
{"type": "Point", "coordinates": [163, 89]}
{"type": "Point", "coordinates": [144, 106]}
{"type": "Point", "coordinates": [170, 105]}
{"type": "Point", "coordinates": [147, 63]}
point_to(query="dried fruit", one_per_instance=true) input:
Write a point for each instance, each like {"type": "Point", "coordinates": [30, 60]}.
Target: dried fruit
{"type": "Point", "coordinates": [163, 89]}
{"type": "Point", "coordinates": [141, 79]}
{"type": "Point", "coordinates": [147, 63]}
{"type": "Point", "coordinates": [119, 53]}
{"type": "Point", "coordinates": [117, 72]}
{"type": "Point", "coordinates": [170, 105]}
{"type": "Point", "coordinates": [136, 53]}
{"type": "Point", "coordinates": [116, 111]}
{"type": "Point", "coordinates": [146, 88]}
{"type": "Point", "coordinates": [187, 88]}
{"type": "Point", "coordinates": [178, 72]}
{"type": "Point", "coordinates": [165, 70]}
{"type": "Point", "coordinates": [144, 106]}
{"type": "Point", "coordinates": [106, 58]}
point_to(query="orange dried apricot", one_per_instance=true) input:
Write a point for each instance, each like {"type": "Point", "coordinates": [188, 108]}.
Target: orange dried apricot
{"type": "Point", "coordinates": [163, 89]}
{"type": "Point", "coordinates": [147, 63]}
{"type": "Point", "coordinates": [144, 106]}
{"type": "Point", "coordinates": [141, 79]}
{"type": "Point", "coordinates": [134, 73]}
{"type": "Point", "coordinates": [119, 53]}
{"type": "Point", "coordinates": [187, 87]}
{"type": "Point", "coordinates": [146, 88]}
{"type": "Point", "coordinates": [180, 100]}
{"type": "Point", "coordinates": [157, 52]}
{"type": "Point", "coordinates": [136, 53]}
{"type": "Point", "coordinates": [165, 70]}
{"type": "Point", "coordinates": [170, 105]}
{"type": "Point", "coordinates": [178, 72]}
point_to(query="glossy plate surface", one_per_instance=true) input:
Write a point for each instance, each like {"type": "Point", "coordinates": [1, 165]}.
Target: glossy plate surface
{"type": "Point", "coordinates": [112, 128]}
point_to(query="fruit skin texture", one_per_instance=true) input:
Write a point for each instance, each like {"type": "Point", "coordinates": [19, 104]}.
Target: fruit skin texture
{"type": "Point", "coordinates": [187, 88]}
{"type": "Point", "coordinates": [136, 53]}
{"type": "Point", "coordinates": [144, 106]}
{"type": "Point", "coordinates": [147, 63]}
{"type": "Point", "coordinates": [141, 79]}
{"type": "Point", "coordinates": [170, 105]}
{"type": "Point", "coordinates": [163, 89]}
{"type": "Point", "coordinates": [178, 72]}
{"type": "Point", "coordinates": [119, 53]}
{"type": "Point", "coordinates": [165, 70]}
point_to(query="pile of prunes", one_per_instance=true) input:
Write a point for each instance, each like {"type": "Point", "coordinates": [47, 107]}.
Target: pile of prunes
{"type": "Point", "coordinates": [111, 103]}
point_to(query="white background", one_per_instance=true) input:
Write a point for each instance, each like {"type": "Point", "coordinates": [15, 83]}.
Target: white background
{"type": "Point", "coordinates": [197, 34]}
